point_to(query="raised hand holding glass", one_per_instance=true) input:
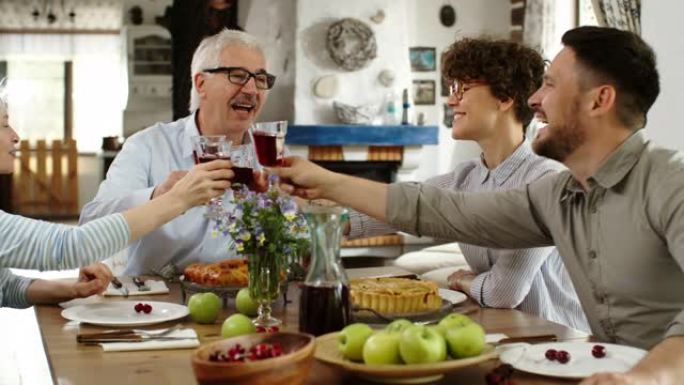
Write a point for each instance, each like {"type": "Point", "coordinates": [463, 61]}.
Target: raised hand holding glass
{"type": "Point", "coordinates": [208, 148]}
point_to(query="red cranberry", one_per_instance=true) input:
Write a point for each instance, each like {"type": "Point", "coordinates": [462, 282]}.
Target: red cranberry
{"type": "Point", "coordinates": [147, 308]}
{"type": "Point", "coordinates": [138, 307]}
{"type": "Point", "coordinates": [598, 351]}
{"type": "Point", "coordinates": [493, 379]}
{"type": "Point", "coordinates": [563, 357]}
{"type": "Point", "coordinates": [551, 354]}
{"type": "Point", "coordinates": [260, 329]}
{"type": "Point", "coordinates": [273, 329]}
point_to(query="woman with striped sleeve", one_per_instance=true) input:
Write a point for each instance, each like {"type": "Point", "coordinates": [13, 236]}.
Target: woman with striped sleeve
{"type": "Point", "coordinates": [32, 244]}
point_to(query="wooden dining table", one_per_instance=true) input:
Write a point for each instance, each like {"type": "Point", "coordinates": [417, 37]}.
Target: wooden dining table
{"type": "Point", "coordinates": [72, 363]}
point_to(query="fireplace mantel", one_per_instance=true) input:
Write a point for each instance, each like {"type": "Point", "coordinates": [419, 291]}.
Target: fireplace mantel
{"type": "Point", "coordinates": [361, 135]}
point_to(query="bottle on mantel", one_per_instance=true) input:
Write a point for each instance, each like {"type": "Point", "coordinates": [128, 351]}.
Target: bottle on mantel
{"type": "Point", "coordinates": [405, 108]}
{"type": "Point", "coordinates": [324, 305]}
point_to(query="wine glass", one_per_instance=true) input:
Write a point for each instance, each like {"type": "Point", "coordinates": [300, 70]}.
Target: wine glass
{"type": "Point", "coordinates": [244, 162]}
{"type": "Point", "coordinates": [269, 143]}
{"type": "Point", "coordinates": [208, 148]}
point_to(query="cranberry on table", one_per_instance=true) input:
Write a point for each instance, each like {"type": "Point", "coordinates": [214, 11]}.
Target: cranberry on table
{"type": "Point", "coordinates": [551, 354]}
{"type": "Point", "coordinates": [500, 375]}
{"type": "Point", "coordinates": [563, 357]}
{"type": "Point", "coordinates": [598, 351]}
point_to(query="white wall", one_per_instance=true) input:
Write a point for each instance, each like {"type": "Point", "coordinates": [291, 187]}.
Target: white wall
{"type": "Point", "coordinates": [474, 18]}
{"type": "Point", "coordinates": [273, 22]}
{"type": "Point", "coordinates": [661, 27]}
{"type": "Point", "coordinates": [357, 87]}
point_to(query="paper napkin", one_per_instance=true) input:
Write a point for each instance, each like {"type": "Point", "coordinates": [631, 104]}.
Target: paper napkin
{"type": "Point", "coordinates": [189, 341]}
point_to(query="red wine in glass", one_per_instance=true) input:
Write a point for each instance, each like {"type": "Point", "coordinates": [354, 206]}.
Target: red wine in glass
{"type": "Point", "coordinates": [243, 175]}
{"type": "Point", "coordinates": [324, 309]}
{"type": "Point", "coordinates": [204, 158]}
{"type": "Point", "coordinates": [268, 148]}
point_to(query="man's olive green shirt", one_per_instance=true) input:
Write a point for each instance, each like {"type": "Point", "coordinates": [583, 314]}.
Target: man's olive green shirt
{"type": "Point", "coordinates": [622, 242]}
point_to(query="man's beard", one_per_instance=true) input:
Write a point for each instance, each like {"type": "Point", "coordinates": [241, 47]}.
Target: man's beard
{"type": "Point", "coordinates": [561, 141]}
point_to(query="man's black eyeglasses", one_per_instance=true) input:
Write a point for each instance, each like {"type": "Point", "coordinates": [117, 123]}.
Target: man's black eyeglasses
{"type": "Point", "coordinates": [240, 76]}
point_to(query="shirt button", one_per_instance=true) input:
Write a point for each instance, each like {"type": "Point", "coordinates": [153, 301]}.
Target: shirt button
{"type": "Point", "coordinates": [592, 254]}
{"type": "Point", "coordinates": [601, 298]}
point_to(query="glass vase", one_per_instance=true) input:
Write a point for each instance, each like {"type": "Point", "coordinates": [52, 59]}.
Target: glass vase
{"type": "Point", "coordinates": [264, 285]}
{"type": "Point", "coordinates": [324, 304]}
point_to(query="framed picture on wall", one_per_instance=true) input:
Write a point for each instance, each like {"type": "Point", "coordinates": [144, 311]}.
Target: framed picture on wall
{"type": "Point", "coordinates": [422, 59]}
{"type": "Point", "coordinates": [424, 92]}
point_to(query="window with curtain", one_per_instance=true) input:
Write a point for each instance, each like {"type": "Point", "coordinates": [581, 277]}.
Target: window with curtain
{"type": "Point", "coordinates": [36, 96]}
{"type": "Point", "coordinates": [36, 84]}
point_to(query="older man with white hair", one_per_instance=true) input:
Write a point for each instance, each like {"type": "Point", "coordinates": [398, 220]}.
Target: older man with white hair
{"type": "Point", "coordinates": [230, 86]}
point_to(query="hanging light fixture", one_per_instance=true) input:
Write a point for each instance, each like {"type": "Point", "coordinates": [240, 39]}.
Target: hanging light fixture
{"type": "Point", "coordinates": [52, 12]}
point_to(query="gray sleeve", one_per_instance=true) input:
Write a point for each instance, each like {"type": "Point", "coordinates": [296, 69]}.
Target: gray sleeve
{"type": "Point", "coordinates": [502, 219]}
{"type": "Point", "coordinates": [361, 225]}
{"type": "Point", "coordinates": [669, 199]}
{"type": "Point", "coordinates": [13, 290]}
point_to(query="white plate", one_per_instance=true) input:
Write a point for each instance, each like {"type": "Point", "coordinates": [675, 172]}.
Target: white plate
{"type": "Point", "coordinates": [122, 313]}
{"type": "Point", "coordinates": [530, 358]}
{"type": "Point", "coordinates": [453, 296]}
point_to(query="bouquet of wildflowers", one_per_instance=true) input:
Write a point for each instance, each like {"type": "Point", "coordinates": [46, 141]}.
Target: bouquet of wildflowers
{"type": "Point", "coordinates": [268, 231]}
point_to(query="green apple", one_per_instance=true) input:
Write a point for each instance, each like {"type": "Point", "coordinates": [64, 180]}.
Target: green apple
{"type": "Point", "coordinates": [351, 339]}
{"type": "Point", "coordinates": [398, 326]}
{"type": "Point", "coordinates": [245, 304]}
{"type": "Point", "coordinates": [237, 325]}
{"type": "Point", "coordinates": [382, 348]}
{"type": "Point", "coordinates": [204, 307]}
{"type": "Point", "coordinates": [419, 344]}
{"type": "Point", "coordinates": [454, 320]}
{"type": "Point", "coordinates": [438, 328]}
{"type": "Point", "coordinates": [466, 341]}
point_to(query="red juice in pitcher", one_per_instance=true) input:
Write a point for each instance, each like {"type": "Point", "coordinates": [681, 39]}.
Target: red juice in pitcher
{"type": "Point", "coordinates": [324, 309]}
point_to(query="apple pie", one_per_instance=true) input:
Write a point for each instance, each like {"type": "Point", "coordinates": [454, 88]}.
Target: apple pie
{"type": "Point", "coordinates": [395, 295]}
{"type": "Point", "coordinates": [231, 272]}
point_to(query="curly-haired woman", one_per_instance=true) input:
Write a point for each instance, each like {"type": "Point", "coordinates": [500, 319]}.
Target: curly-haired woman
{"type": "Point", "coordinates": [491, 81]}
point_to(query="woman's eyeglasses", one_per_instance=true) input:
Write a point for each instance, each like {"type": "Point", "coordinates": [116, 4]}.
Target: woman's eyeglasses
{"type": "Point", "coordinates": [457, 89]}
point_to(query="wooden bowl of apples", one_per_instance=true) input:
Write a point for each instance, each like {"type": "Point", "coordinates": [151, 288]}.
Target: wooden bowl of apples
{"type": "Point", "coordinates": [261, 358]}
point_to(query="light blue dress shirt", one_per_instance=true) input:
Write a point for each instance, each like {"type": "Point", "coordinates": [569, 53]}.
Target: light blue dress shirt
{"type": "Point", "coordinates": [145, 161]}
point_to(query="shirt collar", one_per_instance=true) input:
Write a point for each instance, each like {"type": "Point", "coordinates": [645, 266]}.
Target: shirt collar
{"type": "Point", "coordinates": [620, 162]}
{"type": "Point", "coordinates": [613, 170]}
{"type": "Point", "coordinates": [192, 130]}
{"type": "Point", "coordinates": [189, 132]}
{"type": "Point", "coordinates": [504, 170]}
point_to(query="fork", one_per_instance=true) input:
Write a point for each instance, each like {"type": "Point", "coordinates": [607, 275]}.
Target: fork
{"type": "Point", "coordinates": [118, 285]}
{"type": "Point", "coordinates": [129, 333]}
{"type": "Point", "coordinates": [140, 283]}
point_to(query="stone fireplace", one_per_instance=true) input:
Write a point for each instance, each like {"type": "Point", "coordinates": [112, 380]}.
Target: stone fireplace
{"type": "Point", "coordinates": [382, 153]}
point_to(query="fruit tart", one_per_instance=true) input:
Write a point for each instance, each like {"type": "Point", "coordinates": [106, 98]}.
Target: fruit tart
{"type": "Point", "coordinates": [395, 295]}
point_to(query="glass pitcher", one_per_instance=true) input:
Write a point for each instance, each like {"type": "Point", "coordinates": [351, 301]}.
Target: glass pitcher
{"type": "Point", "coordinates": [324, 305]}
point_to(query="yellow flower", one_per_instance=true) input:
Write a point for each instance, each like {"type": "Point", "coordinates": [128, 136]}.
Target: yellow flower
{"type": "Point", "coordinates": [261, 239]}
{"type": "Point", "coordinates": [240, 247]}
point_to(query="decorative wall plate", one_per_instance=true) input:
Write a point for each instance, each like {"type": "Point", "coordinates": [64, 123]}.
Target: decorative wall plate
{"type": "Point", "coordinates": [351, 44]}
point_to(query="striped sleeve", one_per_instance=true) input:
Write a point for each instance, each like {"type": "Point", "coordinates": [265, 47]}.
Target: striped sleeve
{"type": "Point", "coordinates": [13, 290]}
{"type": "Point", "coordinates": [33, 244]}
{"type": "Point", "coordinates": [508, 282]}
